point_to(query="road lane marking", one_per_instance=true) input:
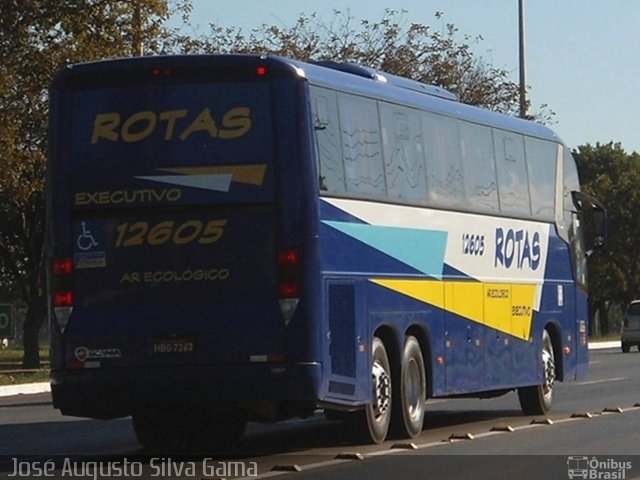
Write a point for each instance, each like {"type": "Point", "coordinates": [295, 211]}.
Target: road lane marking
{"type": "Point", "coordinates": [604, 380]}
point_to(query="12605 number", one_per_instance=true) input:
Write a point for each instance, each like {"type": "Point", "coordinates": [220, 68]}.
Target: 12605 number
{"type": "Point", "coordinates": [472, 244]}
{"type": "Point", "coordinates": [192, 231]}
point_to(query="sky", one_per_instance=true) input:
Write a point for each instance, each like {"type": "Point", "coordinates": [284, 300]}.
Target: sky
{"type": "Point", "coordinates": [582, 56]}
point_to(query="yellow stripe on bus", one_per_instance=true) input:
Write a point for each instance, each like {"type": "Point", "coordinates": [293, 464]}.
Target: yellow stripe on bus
{"type": "Point", "coordinates": [502, 306]}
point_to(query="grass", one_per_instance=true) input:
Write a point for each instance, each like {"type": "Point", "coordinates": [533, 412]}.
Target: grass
{"type": "Point", "coordinates": [605, 338]}
{"type": "Point", "coordinates": [12, 373]}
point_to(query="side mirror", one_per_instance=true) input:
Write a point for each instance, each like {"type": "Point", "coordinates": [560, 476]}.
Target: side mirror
{"type": "Point", "coordinates": [594, 217]}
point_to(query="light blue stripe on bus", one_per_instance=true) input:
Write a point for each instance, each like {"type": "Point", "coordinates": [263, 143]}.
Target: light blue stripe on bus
{"type": "Point", "coordinates": [422, 250]}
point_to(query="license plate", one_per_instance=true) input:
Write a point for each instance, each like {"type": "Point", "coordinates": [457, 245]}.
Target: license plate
{"type": "Point", "coordinates": [174, 346]}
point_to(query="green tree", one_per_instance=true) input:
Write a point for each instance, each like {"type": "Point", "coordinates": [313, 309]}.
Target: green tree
{"type": "Point", "coordinates": [413, 50]}
{"type": "Point", "coordinates": [613, 176]}
{"type": "Point", "coordinates": [38, 37]}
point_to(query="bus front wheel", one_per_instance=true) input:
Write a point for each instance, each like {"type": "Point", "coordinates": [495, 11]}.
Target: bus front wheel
{"type": "Point", "coordinates": [537, 399]}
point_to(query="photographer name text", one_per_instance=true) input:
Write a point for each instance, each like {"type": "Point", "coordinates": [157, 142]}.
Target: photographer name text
{"type": "Point", "coordinates": [125, 468]}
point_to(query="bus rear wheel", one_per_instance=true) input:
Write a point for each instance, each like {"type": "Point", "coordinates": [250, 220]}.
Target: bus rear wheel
{"type": "Point", "coordinates": [537, 399]}
{"type": "Point", "coordinates": [371, 425]}
{"type": "Point", "coordinates": [408, 418]}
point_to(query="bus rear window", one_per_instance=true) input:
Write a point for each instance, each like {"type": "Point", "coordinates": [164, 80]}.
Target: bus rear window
{"type": "Point", "coordinates": [171, 144]}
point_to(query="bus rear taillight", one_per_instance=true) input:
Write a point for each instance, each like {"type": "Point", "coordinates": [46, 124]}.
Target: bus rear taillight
{"type": "Point", "coordinates": [62, 267]}
{"type": "Point", "coordinates": [161, 72]}
{"type": "Point", "coordinates": [62, 297]}
{"type": "Point", "coordinates": [288, 282]}
{"type": "Point", "coordinates": [288, 277]}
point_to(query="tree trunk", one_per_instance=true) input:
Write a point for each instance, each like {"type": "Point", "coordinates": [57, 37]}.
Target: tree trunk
{"type": "Point", "coordinates": [32, 323]}
{"type": "Point", "coordinates": [604, 319]}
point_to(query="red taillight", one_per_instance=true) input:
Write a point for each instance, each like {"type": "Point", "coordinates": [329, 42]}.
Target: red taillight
{"type": "Point", "coordinates": [63, 299]}
{"type": "Point", "coordinates": [288, 274]}
{"type": "Point", "coordinates": [159, 72]}
{"type": "Point", "coordinates": [288, 258]}
{"type": "Point", "coordinates": [288, 290]}
{"type": "Point", "coordinates": [63, 266]}
{"type": "Point", "coordinates": [261, 71]}
{"type": "Point", "coordinates": [275, 357]}
{"type": "Point", "coordinates": [62, 282]}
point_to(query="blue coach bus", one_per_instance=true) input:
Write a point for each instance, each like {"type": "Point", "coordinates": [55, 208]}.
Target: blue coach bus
{"type": "Point", "coordinates": [237, 238]}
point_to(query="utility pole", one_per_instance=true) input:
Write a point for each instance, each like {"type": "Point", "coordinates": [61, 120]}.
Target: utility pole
{"type": "Point", "coordinates": [523, 75]}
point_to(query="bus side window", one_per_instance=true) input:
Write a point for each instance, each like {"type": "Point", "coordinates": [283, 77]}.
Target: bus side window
{"type": "Point", "coordinates": [445, 181]}
{"type": "Point", "coordinates": [513, 185]}
{"type": "Point", "coordinates": [541, 166]}
{"type": "Point", "coordinates": [361, 146]}
{"type": "Point", "coordinates": [328, 145]}
{"type": "Point", "coordinates": [481, 185]}
{"type": "Point", "coordinates": [403, 154]}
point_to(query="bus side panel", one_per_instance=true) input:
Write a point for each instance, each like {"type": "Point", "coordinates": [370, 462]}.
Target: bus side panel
{"type": "Point", "coordinates": [496, 300]}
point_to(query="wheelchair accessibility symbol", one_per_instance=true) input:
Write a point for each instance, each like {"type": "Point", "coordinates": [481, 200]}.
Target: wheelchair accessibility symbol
{"type": "Point", "coordinates": [90, 241]}
{"type": "Point", "coordinates": [86, 240]}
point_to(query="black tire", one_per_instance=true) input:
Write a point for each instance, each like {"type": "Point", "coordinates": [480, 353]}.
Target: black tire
{"type": "Point", "coordinates": [189, 428]}
{"type": "Point", "coordinates": [538, 399]}
{"type": "Point", "coordinates": [154, 428]}
{"type": "Point", "coordinates": [371, 425]}
{"type": "Point", "coordinates": [409, 410]}
{"type": "Point", "coordinates": [625, 347]}
{"type": "Point", "coordinates": [226, 426]}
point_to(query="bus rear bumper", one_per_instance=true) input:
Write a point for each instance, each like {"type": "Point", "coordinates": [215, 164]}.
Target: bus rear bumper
{"type": "Point", "coordinates": [111, 393]}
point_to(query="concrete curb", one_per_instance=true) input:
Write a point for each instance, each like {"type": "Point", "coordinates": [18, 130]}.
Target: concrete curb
{"type": "Point", "coordinates": [24, 389]}
{"type": "Point", "coordinates": [605, 345]}
{"type": "Point", "coordinates": [32, 388]}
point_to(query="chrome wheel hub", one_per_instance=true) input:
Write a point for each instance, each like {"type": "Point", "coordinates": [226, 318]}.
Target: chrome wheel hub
{"type": "Point", "coordinates": [381, 390]}
{"type": "Point", "coordinates": [549, 371]}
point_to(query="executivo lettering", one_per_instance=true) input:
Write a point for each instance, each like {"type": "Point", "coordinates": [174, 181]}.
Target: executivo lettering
{"type": "Point", "coordinates": [119, 197]}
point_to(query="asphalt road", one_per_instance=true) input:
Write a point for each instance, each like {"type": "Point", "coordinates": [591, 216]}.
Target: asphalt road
{"type": "Point", "coordinates": [595, 421]}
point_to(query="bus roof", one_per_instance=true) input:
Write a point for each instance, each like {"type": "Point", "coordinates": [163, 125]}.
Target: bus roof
{"type": "Point", "coordinates": [409, 92]}
{"type": "Point", "coordinates": [345, 77]}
